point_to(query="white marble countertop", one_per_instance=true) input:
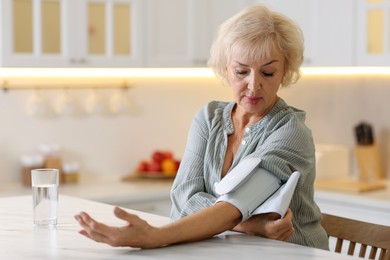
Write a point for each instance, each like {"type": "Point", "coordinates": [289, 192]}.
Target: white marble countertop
{"type": "Point", "coordinates": [22, 240]}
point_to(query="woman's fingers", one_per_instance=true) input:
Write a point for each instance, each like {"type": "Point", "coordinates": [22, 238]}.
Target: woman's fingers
{"type": "Point", "coordinates": [94, 229]}
{"type": "Point", "coordinates": [281, 228]}
{"type": "Point", "coordinates": [127, 235]}
{"type": "Point", "coordinates": [283, 224]}
{"type": "Point", "coordinates": [95, 236]}
{"type": "Point", "coordinates": [129, 218]}
{"type": "Point", "coordinates": [284, 236]}
{"type": "Point", "coordinates": [288, 215]}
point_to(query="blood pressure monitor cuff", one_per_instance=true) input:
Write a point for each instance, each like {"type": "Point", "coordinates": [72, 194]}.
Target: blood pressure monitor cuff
{"type": "Point", "coordinates": [251, 192]}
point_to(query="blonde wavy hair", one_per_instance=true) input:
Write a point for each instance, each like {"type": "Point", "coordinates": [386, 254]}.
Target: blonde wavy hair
{"type": "Point", "coordinates": [254, 33]}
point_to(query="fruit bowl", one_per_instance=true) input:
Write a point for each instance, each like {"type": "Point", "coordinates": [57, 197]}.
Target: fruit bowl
{"type": "Point", "coordinates": [160, 165]}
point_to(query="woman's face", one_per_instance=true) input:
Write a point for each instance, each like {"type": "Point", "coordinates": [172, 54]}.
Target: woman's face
{"type": "Point", "coordinates": [255, 83]}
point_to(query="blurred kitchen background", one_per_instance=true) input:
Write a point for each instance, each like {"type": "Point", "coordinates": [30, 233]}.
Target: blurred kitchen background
{"type": "Point", "coordinates": [107, 124]}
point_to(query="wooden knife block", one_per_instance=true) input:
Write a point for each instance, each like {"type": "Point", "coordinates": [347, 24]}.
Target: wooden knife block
{"type": "Point", "coordinates": [369, 163]}
{"type": "Point", "coordinates": [370, 177]}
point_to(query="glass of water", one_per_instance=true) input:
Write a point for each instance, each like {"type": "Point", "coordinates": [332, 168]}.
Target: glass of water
{"type": "Point", "coordinates": [45, 196]}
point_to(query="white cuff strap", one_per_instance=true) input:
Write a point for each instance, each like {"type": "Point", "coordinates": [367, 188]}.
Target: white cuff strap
{"type": "Point", "coordinates": [251, 191]}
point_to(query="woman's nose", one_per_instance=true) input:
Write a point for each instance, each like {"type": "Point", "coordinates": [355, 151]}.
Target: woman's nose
{"type": "Point", "coordinates": [254, 82]}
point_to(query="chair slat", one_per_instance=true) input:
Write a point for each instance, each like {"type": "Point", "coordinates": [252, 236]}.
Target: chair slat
{"type": "Point", "coordinates": [351, 248]}
{"type": "Point", "coordinates": [373, 252]}
{"type": "Point", "coordinates": [382, 253]}
{"type": "Point", "coordinates": [339, 245]}
{"type": "Point", "coordinates": [387, 255]}
{"type": "Point", "coordinates": [358, 232]}
{"type": "Point", "coordinates": [363, 249]}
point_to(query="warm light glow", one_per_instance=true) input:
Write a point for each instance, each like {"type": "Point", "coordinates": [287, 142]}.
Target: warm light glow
{"type": "Point", "coordinates": [345, 71]}
{"type": "Point", "coordinates": [130, 73]}
{"type": "Point", "coordinates": [121, 77]}
{"type": "Point", "coordinates": [104, 72]}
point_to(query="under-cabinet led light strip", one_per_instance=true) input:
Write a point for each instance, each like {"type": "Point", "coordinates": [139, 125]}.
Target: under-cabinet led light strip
{"type": "Point", "coordinates": [103, 72]}
{"type": "Point", "coordinates": [85, 73]}
{"type": "Point", "coordinates": [345, 70]}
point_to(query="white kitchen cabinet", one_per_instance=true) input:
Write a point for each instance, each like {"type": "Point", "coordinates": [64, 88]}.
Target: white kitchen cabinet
{"type": "Point", "coordinates": [180, 32]}
{"type": "Point", "coordinates": [327, 26]}
{"type": "Point", "coordinates": [373, 34]}
{"type": "Point", "coordinates": [332, 37]}
{"type": "Point", "coordinates": [68, 33]}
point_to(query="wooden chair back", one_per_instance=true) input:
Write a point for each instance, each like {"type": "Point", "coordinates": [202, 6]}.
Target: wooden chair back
{"type": "Point", "coordinates": [372, 237]}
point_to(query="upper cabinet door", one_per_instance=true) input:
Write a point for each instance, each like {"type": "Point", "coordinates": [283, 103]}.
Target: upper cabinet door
{"type": "Point", "coordinates": [168, 31]}
{"type": "Point", "coordinates": [332, 33]}
{"type": "Point", "coordinates": [63, 33]}
{"type": "Point", "coordinates": [32, 32]}
{"type": "Point", "coordinates": [108, 33]}
{"type": "Point", "coordinates": [373, 32]}
{"type": "Point", "coordinates": [180, 32]}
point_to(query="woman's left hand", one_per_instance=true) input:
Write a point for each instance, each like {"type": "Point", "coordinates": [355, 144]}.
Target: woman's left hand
{"type": "Point", "coordinates": [136, 233]}
{"type": "Point", "coordinates": [268, 225]}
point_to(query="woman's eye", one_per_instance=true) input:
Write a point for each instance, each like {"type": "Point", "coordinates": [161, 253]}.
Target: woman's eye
{"type": "Point", "coordinates": [266, 74]}
{"type": "Point", "coordinates": [241, 72]}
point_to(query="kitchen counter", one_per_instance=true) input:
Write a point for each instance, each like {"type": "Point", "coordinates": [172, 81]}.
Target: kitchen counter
{"type": "Point", "coordinates": [106, 190]}
{"type": "Point", "coordinates": [22, 240]}
{"type": "Point", "coordinates": [371, 206]}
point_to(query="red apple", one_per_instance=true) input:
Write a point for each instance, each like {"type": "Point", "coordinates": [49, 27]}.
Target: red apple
{"type": "Point", "coordinates": [177, 164]}
{"type": "Point", "coordinates": [157, 157]}
{"type": "Point", "coordinates": [154, 167]}
{"type": "Point", "coordinates": [168, 155]}
{"type": "Point", "coordinates": [143, 166]}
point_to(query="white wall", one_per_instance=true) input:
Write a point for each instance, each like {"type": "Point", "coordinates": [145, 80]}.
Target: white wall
{"type": "Point", "coordinates": [160, 115]}
{"type": "Point", "coordinates": [158, 118]}
{"type": "Point", "coordinates": [336, 104]}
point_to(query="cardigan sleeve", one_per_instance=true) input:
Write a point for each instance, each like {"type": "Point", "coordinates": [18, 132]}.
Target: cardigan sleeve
{"type": "Point", "coordinates": [287, 146]}
{"type": "Point", "coordinates": [188, 193]}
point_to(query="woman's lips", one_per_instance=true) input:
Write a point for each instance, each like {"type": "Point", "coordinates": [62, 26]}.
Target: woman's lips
{"type": "Point", "coordinates": [252, 100]}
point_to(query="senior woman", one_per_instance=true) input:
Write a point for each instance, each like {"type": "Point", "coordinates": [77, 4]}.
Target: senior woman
{"type": "Point", "coordinates": [256, 52]}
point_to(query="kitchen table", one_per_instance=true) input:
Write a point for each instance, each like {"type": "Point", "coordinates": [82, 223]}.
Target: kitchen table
{"type": "Point", "coordinates": [20, 239]}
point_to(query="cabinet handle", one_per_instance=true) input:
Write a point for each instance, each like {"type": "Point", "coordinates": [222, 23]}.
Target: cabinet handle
{"type": "Point", "coordinates": [78, 61]}
{"type": "Point", "coordinates": [200, 62]}
{"type": "Point", "coordinates": [307, 61]}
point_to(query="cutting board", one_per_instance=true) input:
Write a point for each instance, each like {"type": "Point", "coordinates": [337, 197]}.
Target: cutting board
{"type": "Point", "coordinates": [147, 176]}
{"type": "Point", "coordinates": [349, 185]}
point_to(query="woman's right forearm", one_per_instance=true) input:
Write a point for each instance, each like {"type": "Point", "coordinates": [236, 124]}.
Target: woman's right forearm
{"type": "Point", "coordinates": [204, 224]}
{"type": "Point", "coordinates": [195, 203]}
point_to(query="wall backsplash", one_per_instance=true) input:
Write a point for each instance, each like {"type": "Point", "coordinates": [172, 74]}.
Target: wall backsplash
{"type": "Point", "coordinates": [160, 114]}
{"type": "Point", "coordinates": [336, 104]}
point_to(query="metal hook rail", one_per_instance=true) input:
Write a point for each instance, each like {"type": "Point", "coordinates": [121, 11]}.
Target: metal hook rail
{"type": "Point", "coordinates": [7, 86]}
